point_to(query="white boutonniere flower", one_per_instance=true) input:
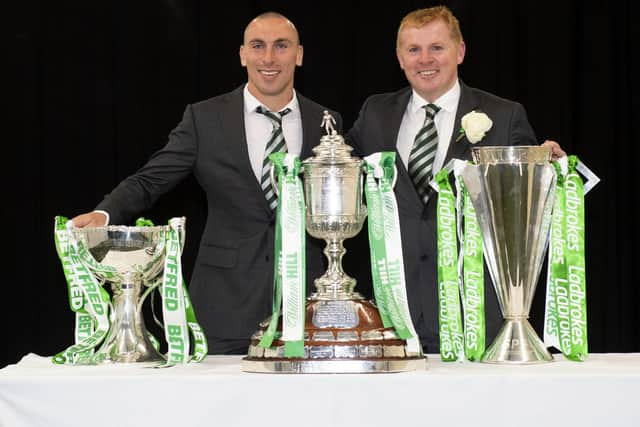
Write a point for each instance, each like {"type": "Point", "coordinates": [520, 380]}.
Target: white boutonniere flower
{"type": "Point", "coordinates": [474, 126]}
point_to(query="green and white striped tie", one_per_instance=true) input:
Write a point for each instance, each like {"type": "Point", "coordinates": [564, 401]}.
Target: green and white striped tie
{"type": "Point", "coordinates": [423, 153]}
{"type": "Point", "coordinates": [276, 143]}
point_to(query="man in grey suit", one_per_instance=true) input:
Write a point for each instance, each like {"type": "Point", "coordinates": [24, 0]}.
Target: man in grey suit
{"type": "Point", "coordinates": [223, 141]}
{"type": "Point", "coordinates": [420, 123]}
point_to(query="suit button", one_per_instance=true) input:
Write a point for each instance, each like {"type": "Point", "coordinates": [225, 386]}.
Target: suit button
{"type": "Point", "coordinates": [266, 258]}
{"type": "Point", "coordinates": [423, 257]}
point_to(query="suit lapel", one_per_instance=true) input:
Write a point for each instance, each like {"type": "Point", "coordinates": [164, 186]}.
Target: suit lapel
{"type": "Point", "coordinates": [235, 134]}
{"type": "Point", "coordinates": [468, 102]}
{"type": "Point", "coordinates": [310, 119]}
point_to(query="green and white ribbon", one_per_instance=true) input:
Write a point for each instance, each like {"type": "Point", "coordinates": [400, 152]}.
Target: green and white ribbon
{"type": "Point", "coordinates": [387, 263]}
{"type": "Point", "coordinates": [87, 298]}
{"type": "Point", "coordinates": [177, 310]}
{"type": "Point", "coordinates": [451, 332]}
{"type": "Point", "coordinates": [566, 314]}
{"type": "Point", "coordinates": [200, 345]}
{"type": "Point", "coordinates": [470, 271]}
{"type": "Point", "coordinates": [289, 268]}
{"type": "Point", "coordinates": [173, 302]}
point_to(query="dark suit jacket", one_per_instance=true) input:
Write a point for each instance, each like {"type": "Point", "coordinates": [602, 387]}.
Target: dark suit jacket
{"type": "Point", "coordinates": [231, 284]}
{"type": "Point", "coordinates": [376, 129]}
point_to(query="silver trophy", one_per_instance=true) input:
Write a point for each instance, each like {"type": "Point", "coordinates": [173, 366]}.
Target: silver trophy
{"type": "Point", "coordinates": [136, 254]}
{"type": "Point", "coordinates": [512, 191]}
{"type": "Point", "coordinates": [343, 332]}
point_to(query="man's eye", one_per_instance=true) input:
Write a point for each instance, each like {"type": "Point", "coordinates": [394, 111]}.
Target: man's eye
{"type": "Point", "coordinates": [413, 50]}
{"type": "Point", "coordinates": [281, 45]}
{"type": "Point", "coordinates": [257, 46]}
{"type": "Point", "coordinates": [437, 48]}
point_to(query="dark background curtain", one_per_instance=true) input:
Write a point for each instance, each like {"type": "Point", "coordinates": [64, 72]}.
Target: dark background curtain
{"type": "Point", "coordinates": [93, 88]}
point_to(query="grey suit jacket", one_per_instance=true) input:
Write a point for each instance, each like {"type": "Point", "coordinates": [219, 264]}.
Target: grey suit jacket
{"type": "Point", "coordinates": [376, 129]}
{"type": "Point", "coordinates": [231, 284]}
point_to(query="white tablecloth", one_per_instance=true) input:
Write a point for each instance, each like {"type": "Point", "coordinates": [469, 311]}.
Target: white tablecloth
{"type": "Point", "coordinates": [604, 391]}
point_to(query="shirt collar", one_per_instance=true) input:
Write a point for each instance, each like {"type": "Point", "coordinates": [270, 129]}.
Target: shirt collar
{"type": "Point", "coordinates": [251, 102]}
{"type": "Point", "coordinates": [448, 101]}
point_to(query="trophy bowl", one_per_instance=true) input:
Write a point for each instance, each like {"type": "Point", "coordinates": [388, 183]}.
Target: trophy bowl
{"type": "Point", "coordinates": [511, 189]}
{"type": "Point", "coordinates": [343, 332]}
{"type": "Point", "coordinates": [127, 257]}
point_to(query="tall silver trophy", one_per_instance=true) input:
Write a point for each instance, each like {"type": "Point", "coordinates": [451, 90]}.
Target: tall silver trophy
{"type": "Point", "coordinates": [129, 258]}
{"type": "Point", "coordinates": [512, 191]}
{"type": "Point", "coordinates": [343, 332]}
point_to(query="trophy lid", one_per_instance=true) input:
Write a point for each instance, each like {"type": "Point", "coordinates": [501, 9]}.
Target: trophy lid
{"type": "Point", "coordinates": [332, 149]}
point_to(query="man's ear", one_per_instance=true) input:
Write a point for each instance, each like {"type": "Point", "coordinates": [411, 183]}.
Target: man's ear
{"type": "Point", "coordinates": [461, 50]}
{"type": "Point", "coordinates": [400, 61]}
{"type": "Point", "coordinates": [299, 56]}
{"type": "Point", "coordinates": [241, 53]}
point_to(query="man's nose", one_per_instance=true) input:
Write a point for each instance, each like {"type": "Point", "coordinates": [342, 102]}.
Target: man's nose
{"type": "Point", "coordinates": [425, 56]}
{"type": "Point", "coordinates": [268, 55]}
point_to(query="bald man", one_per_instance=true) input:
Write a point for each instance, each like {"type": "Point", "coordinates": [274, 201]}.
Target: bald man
{"type": "Point", "coordinates": [223, 141]}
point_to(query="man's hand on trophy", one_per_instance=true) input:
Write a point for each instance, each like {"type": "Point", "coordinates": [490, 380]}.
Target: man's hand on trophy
{"type": "Point", "coordinates": [91, 219]}
{"type": "Point", "coordinates": [556, 150]}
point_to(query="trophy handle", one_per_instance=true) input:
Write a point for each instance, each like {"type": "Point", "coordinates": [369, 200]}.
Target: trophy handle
{"type": "Point", "coordinates": [395, 174]}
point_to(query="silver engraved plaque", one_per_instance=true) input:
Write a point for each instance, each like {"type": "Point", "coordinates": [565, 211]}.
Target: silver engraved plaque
{"type": "Point", "coordinates": [274, 352]}
{"type": "Point", "coordinates": [373, 335]}
{"type": "Point", "coordinates": [347, 336]}
{"type": "Point", "coordinates": [320, 352]}
{"type": "Point", "coordinates": [323, 336]}
{"type": "Point", "coordinates": [256, 351]}
{"type": "Point", "coordinates": [335, 314]}
{"type": "Point", "coordinates": [346, 351]}
{"type": "Point", "coordinates": [371, 351]}
{"type": "Point", "coordinates": [393, 351]}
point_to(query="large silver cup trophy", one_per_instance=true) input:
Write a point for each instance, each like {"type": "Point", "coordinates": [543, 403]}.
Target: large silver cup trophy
{"type": "Point", "coordinates": [343, 332]}
{"type": "Point", "coordinates": [136, 254]}
{"type": "Point", "coordinates": [512, 191]}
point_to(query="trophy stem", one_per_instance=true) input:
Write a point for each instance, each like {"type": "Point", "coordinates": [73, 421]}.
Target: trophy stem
{"type": "Point", "coordinates": [128, 339]}
{"type": "Point", "coordinates": [335, 284]}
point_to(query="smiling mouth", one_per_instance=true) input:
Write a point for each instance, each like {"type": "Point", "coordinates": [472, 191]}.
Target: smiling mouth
{"type": "Point", "coordinates": [269, 73]}
{"type": "Point", "coordinates": [427, 73]}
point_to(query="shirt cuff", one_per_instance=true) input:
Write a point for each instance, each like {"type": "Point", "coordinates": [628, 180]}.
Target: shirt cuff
{"type": "Point", "coordinates": [104, 213]}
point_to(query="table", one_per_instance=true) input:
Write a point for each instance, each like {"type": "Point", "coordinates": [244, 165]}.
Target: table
{"type": "Point", "coordinates": [602, 391]}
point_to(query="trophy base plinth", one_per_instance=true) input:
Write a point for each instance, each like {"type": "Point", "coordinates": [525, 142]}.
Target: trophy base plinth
{"type": "Point", "coordinates": [340, 336]}
{"type": "Point", "coordinates": [116, 352]}
{"type": "Point", "coordinates": [517, 343]}
{"type": "Point", "coordinates": [332, 366]}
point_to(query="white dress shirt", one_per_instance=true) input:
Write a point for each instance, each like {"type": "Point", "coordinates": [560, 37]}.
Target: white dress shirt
{"type": "Point", "coordinates": [258, 129]}
{"type": "Point", "coordinates": [413, 119]}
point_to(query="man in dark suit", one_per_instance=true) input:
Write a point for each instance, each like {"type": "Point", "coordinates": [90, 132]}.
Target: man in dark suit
{"type": "Point", "coordinates": [223, 141]}
{"type": "Point", "coordinates": [420, 123]}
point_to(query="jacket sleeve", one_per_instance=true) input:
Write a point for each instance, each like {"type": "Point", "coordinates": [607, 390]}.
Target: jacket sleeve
{"type": "Point", "coordinates": [163, 171]}
{"type": "Point", "coordinates": [520, 130]}
{"type": "Point", "coordinates": [355, 135]}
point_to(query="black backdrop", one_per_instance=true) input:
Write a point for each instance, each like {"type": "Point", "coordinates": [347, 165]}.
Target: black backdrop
{"type": "Point", "coordinates": [93, 88]}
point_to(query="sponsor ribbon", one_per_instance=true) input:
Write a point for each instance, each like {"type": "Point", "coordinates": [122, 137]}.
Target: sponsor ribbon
{"type": "Point", "coordinates": [289, 268]}
{"type": "Point", "coordinates": [387, 264]}
{"type": "Point", "coordinates": [173, 301]}
{"type": "Point", "coordinates": [179, 318]}
{"type": "Point", "coordinates": [566, 314]}
{"type": "Point", "coordinates": [87, 298]}
{"type": "Point", "coordinates": [470, 273]}
{"type": "Point", "coordinates": [451, 332]}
